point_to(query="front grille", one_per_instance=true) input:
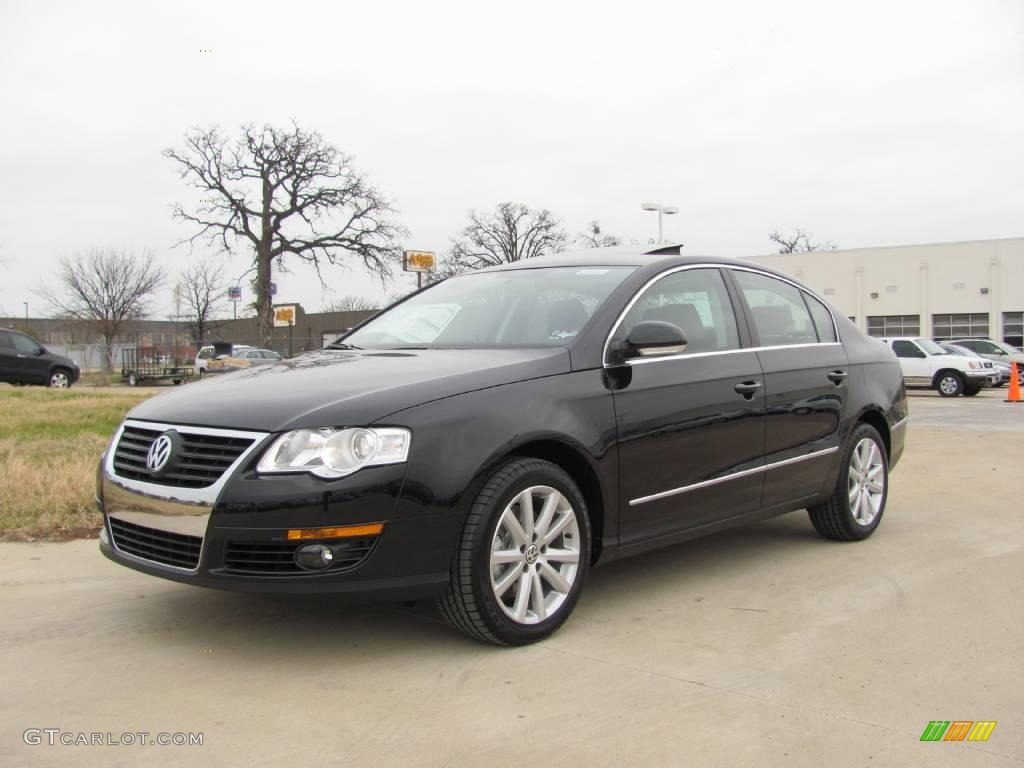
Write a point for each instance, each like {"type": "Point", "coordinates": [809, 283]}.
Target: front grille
{"type": "Point", "coordinates": [277, 558]}
{"type": "Point", "coordinates": [202, 461]}
{"type": "Point", "coordinates": [175, 549]}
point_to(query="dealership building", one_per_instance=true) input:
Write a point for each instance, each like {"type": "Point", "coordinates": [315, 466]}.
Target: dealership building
{"type": "Point", "coordinates": [940, 290]}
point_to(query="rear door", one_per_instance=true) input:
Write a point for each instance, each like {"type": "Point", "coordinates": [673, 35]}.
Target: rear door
{"type": "Point", "coordinates": [690, 426]}
{"type": "Point", "coordinates": [805, 382]}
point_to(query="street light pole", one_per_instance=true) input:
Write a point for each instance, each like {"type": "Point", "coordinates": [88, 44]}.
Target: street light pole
{"type": "Point", "coordinates": [666, 210]}
{"type": "Point", "coordinates": [26, 310]}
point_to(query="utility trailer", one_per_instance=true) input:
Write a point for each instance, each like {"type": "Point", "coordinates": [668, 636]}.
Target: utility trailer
{"type": "Point", "coordinates": [136, 370]}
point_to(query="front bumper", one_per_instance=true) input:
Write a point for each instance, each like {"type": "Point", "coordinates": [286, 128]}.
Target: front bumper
{"type": "Point", "coordinates": [236, 538]}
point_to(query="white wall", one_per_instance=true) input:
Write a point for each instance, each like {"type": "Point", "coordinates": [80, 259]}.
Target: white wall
{"type": "Point", "coordinates": [920, 280]}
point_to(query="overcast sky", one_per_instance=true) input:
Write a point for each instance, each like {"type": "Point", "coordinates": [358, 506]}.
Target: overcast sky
{"type": "Point", "coordinates": [866, 122]}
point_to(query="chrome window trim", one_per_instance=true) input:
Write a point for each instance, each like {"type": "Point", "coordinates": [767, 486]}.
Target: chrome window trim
{"type": "Point", "coordinates": [733, 476]}
{"type": "Point", "coordinates": [709, 265]}
{"type": "Point", "coordinates": [202, 497]}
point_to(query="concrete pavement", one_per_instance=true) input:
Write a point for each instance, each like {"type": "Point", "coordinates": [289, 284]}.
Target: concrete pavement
{"type": "Point", "coordinates": [761, 646]}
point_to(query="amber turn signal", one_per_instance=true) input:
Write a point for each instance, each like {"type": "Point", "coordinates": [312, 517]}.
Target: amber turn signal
{"type": "Point", "coordinates": [343, 532]}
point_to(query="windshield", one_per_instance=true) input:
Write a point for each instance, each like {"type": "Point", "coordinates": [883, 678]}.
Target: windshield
{"type": "Point", "coordinates": [544, 307]}
{"type": "Point", "coordinates": [931, 347]}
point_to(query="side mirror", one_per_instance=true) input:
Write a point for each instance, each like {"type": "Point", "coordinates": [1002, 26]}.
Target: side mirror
{"type": "Point", "coordinates": [651, 338]}
{"type": "Point", "coordinates": [40, 351]}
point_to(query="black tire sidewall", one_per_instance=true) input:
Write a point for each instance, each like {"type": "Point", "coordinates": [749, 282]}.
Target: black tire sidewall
{"type": "Point", "coordinates": [855, 529]}
{"type": "Point", "coordinates": [507, 630]}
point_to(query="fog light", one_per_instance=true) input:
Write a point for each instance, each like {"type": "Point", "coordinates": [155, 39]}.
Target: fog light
{"type": "Point", "coordinates": [104, 539]}
{"type": "Point", "coordinates": [314, 557]}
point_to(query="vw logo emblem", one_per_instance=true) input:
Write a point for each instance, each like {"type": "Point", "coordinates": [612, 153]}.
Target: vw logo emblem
{"type": "Point", "coordinates": [159, 454]}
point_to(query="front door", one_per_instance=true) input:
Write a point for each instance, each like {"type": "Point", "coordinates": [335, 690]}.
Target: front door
{"type": "Point", "coordinates": [28, 363]}
{"type": "Point", "coordinates": [806, 374]}
{"type": "Point", "coordinates": [917, 370]}
{"type": "Point", "coordinates": [690, 426]}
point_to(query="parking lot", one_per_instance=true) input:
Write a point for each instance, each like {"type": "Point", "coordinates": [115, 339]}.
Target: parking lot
{"type": "Point", "coordinates": [761, 646]}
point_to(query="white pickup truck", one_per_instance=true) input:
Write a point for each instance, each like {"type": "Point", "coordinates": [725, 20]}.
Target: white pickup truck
{"type": "Point", "coordinates": [927, 365]}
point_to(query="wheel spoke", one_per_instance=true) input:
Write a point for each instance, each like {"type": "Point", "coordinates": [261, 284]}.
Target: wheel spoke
{"type": "Point", "coordinates": [510, 578]}
{"type": "Point", "coordinates": [526, 512]}
{"type": "Point", "coordinates": [506, 556]}
{"type": "Point", "coordinates": [875, 471]}
{"type": "Point", "coordinates": [522, 597]}
{"type": "Point", "coordinates": [537, 601]}
{"type": "Point", "coordinates": [562, 556]}
{"type": "Point", "coordinates": [547, 514]}
{"type": "Point", "coordinates": [554, 578]}
{"type": "Point", "coordinates": [871, 454]}
{"type": "Point", "coordinates": [875, 487]}
{"type": "Point", "coordinates": [511, 524]}
{"type": "Point", "coordinates": [560, 525]}
{"type": "Point", "coordinates": [854, 496]}
{"type": "Point", "coordinates": [867, 513]}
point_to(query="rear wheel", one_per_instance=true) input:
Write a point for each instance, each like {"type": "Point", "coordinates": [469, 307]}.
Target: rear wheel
{"type": "Point", "coordinates": [60, 379]}
{"type": "Point", "coordinates": [133, 380]}
{"type": "Point", "coordinates": [950, 384]}
{"type": "Point", "coordinates": [855, 509]}
{"type": "Point", "coordinates": [523, 556]}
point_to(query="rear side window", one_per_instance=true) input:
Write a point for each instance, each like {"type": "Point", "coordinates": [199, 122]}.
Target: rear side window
{"type": "Point", "coordinates": [822, 319]}
{"type": "Point", "coordinates": [780, 315]}
{"type": "Point", "coordinates": [5, 340]}
{"type": "Point", "coordinates": [697, 302]}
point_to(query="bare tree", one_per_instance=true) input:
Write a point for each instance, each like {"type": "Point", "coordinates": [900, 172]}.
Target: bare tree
{"type": "Point", "coordinates": [799, 242]}
{"type": "Point", "coordinates": [594, 237]}
{"type": "Point", "coordinates": [511, 233]}
{"type": "Point", "coordinates": [349, 304]}
{"type": "Point", "coordinates": [200, 289]}
{"type": "Point", "coordinates": [107, 288]}
{"type": "Point", "coordinates": [283, 193]}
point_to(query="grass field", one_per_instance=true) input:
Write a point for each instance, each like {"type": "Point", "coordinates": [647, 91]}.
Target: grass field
{"type": "Point", "coordinates": [50, 443]}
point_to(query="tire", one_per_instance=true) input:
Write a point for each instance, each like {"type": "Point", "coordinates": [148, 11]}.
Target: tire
{"type": "Point", "coordinates": [971, 391]}
{"type": "Point", "coordinates": [60, 378]}
{"type": "Point", "coordinates": [837, 518]}
{"type": "Point", "coordinates": [950, 384]}
{"type": "Point", "coordinates": [202, 372]}
{"type": "Point", "coordinates": [482, 599]}
{"type": "Point", "coordinates": [133, 380]}
{"type": "Point", "coordinates": [176, 381]}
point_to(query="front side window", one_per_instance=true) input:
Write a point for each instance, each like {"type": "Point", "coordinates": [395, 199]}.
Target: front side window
{"type": "Point", "coordinates": [780, 315]}
{"type": "Point", "coordinates": [542, 307]}
{"type": "Point", "coordinates": [930, 347]}
{"type": "Point", "coordinates": [24, 345]}
{"type": "Point", "coordinates": [694, 300]}
{"type": "Point", "coordinates": [904, 348]}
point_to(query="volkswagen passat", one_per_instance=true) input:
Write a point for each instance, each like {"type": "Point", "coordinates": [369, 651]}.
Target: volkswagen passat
{"type": "Point", "coordinates": [491, 438]}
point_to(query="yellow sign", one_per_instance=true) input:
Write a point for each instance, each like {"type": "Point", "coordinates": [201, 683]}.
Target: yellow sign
{"type": "Point", "coordinates": [284, 316]}
{"type": "Point", "coordinates": [418, 261]}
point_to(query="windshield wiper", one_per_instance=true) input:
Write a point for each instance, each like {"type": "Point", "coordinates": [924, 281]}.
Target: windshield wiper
{"type": "Point", "coordinates": [341, 345]}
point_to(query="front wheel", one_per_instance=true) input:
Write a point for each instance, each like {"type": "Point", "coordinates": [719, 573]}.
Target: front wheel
{"type": "Point", "coordinates": [523, 556]}
{"type": "Point", "coordinates": [60, 379]}
{"type": "Point", "coordinates": [858, 501]}
{"type": "Point", "coordinates": [133, 380]}
{"type": "Point", "coordinates": [950, 384]}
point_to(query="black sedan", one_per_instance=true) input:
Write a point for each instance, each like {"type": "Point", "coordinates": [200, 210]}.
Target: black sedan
{"type": "Point", "coordinates": [492, 437]}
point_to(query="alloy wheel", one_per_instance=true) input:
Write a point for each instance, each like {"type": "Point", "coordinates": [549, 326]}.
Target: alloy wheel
{"type": "Point", "coordinates": [949, 385]}
{"type": "Point", "coordinates": [535, 554]}
{"type": "Point", "coordinates": [60, 380]}
{"type": "Point", "coordinates": [866, 482]}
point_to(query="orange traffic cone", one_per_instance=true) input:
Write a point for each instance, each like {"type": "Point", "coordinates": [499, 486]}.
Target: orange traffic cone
{"type": "Point", "coordinates": [1013, 396]}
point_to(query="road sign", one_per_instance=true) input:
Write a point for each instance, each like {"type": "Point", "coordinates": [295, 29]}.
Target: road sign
{"type": "Point", "coordinates": [418, 261]}
{"type": "Point", "coordinates": [284, 315]}
{"type": "Point", "coordinates": [235, 293]}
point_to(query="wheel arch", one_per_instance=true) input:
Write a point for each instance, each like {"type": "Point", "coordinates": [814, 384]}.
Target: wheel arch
{"type": "Point", "coordinates": [56, 367]}
{"type": "Point", "coordinates": [942, 372]}
{"type": "Point", "coordinates": [575, 463]}
{"type": "Point", "coordinates": [874, 417]}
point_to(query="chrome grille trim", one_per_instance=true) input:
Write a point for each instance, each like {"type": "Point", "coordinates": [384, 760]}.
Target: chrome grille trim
{"type": "Point", "coordinates": [204, 496]}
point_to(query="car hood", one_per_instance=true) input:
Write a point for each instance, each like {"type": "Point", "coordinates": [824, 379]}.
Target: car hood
{"type": "Point", "coordinates": [345, 387]}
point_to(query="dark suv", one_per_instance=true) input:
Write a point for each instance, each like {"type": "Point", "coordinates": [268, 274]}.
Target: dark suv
{"type": "Point", "coordinates": [23, 360]}
{"type": "Point", "coordinates": [490, 438]}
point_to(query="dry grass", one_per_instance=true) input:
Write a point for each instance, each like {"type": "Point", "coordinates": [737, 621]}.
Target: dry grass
{"type": "Point", "coordinates": [50, 444]}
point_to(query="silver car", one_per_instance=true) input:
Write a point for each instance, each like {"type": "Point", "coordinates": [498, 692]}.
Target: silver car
{"type": "Point", "coordinates": [996, 351]}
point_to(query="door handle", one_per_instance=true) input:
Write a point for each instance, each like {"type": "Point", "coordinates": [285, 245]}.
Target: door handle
{"type": "Point", "coordinates": [747, 388]}
{"type": "Point", "coordinates": [837, 377]}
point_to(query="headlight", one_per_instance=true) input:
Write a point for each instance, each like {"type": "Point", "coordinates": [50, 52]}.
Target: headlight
{"type": "Point", "coordinates": [974, 364]}
{"type": "Point", "coordinates": [335, 452]}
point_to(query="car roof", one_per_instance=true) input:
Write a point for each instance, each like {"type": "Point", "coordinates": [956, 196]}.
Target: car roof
{"type": "Point", "coordinates": [622, 256]}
